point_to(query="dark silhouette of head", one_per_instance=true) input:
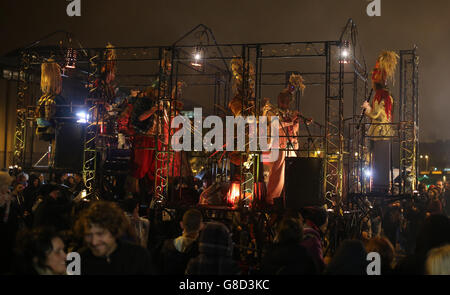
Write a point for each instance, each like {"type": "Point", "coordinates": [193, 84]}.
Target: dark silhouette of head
{"type": "Point", "coordinates": [350, 259]}
{"type": "Point", "coordinates": [290, 230]}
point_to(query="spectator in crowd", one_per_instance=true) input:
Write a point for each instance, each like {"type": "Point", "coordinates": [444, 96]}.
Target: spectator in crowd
{"type": "Point", "coordinates": [438, 261]}
{"type": "Point", "coordinates": [42, 179]}
{"type": "Point", "coordinates": [176, 253]}
{"type": "Point", "coordinates": [434, 233]}
{"type": "Point", "coordinates": [315, 225]}
{"type": "Point", "coordinates": [100, 226]}
{"type": "Point", "coordinates": [383, 246]}
{"type": "Point", "coordinates": [79, 183]}
{"type": "Point", "coordinates": [22, 178]}
{"type": "Point", "coordinates": [60, 178]}
{"type": "Point", "coordinates": [7, 227]}
{"type": "Point", "coordinates": [414, 218]}
{"type": "Point", "coordinates": [39, 252]}
{"type": "Point", "coordinates": [440, 186]}
{"type": "Point", "coordinates": [139, 224]}
{"type": "Point", "coordinates": [215, 248]}
{"type": "Point", "coordinates": [31, 192]}
{"type": "Point", "coordinates": [287, 256]}
{"type": "Point", "coordinates": [434, 201]}
{"type": "Point", "coordinates": [443, 192]}
{"type": "Point", "coordinates": [17, 208]}
{"type": "Point", "coordinates": [30, 195]}
{"type": "Point", "coordinates": [70, 183]}
{"type": "Point", "coordinates": [53, 208]}
{"type": "Point", "coordinates": [17, 192]}
{"type": "Point", "coordinates": [422, 188]}
{"type": "Point", "coordinates": [446, 198]}
{"type": "Point", "coordinates": [392, 222]}
{"type": "Point", "coordinates": [349, 259]}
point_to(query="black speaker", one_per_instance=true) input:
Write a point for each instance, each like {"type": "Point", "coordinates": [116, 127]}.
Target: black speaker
{"type": "Point", "coordinates": [69, 146]}
{"type": "Point", "coordinates": [303, 182]}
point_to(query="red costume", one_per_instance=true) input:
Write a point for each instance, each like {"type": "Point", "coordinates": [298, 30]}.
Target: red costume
{"type": "Point", "coordinates": [379, 79]}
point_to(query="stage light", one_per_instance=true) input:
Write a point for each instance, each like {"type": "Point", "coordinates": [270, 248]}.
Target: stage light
{"type": "Point", "coordinates": [345, 53]}
{"type": "Point", "coordinates": [421, 156]}
{"type": "Point", "coordinates": [356, 154]}
{"type": "Point", "coordinates": [318, 152]}
{"type": "Point", "coordinates": [367, 172]}
{"type": "Point", "coordinates": [82, 117]}
{"type": "Point", "coordinates": [198, 54]}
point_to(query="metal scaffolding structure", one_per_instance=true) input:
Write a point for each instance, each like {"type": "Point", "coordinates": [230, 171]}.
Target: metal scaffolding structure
{"type": "Point", "coordinates": [409, 120]}
{"type": "Point", "coordinates": [321, 64]}
{"type": "Point", "coordinates": [23, 87]}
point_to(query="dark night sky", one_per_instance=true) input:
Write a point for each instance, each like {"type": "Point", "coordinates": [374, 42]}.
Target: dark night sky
{"type": "Point", "coordinates": [402, 24]}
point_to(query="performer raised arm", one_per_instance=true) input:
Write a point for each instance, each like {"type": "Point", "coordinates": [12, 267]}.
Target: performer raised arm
{"type": "Point", "coordinates": [381, 115]}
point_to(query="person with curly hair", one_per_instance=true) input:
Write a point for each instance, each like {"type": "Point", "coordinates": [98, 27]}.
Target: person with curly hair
{"type": "Point", "coordinates": [101, 227]}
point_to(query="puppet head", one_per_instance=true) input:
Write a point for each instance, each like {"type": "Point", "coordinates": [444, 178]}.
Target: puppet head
{"type": "Point", "coordinates": [296, 83]}
{"type": "Point", "coordinates": [384, 69]}
{"type": "Point", "coordinates": [51, 81]}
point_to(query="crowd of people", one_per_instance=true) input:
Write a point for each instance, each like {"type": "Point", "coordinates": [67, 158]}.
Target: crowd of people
{"type": "Point", "coordinates": [40, 222]}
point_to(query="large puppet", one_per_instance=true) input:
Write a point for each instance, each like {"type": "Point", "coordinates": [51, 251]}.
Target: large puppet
{"type": "Point", "coordinates": [288, 132]}
{"type": "Point", "coordinates": [380, 114]}
{"type": "Point", "coordinates": [52, 107]}
{"type": "Point", "coordinates": [49, 104]}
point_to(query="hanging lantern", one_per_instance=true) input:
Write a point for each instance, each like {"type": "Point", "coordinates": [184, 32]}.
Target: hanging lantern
{"type": "Point", "coordinates": [197, 57]}
{"type": "Point", "coordinates": [71, 58]}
